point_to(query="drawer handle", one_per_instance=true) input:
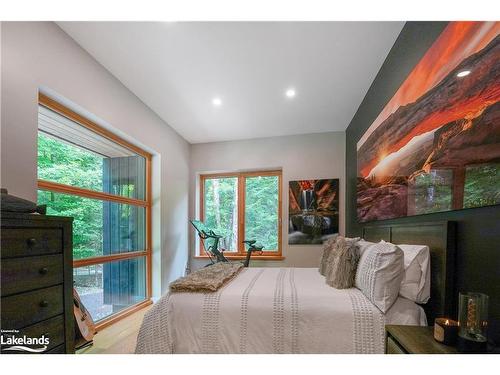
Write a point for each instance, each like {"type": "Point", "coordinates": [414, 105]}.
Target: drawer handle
{"type": "Point", "coordinates": [43, 271]}
{"type": "Point", "coordinates": [31, 242]}
{"type": "Point", "coordinates": [44, 303]}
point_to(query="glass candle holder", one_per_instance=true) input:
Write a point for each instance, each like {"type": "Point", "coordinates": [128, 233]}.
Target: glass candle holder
{"type": "Point", "coordinates": [473, 322]}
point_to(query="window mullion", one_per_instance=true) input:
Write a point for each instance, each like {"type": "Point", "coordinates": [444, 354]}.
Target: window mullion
{"type": "Point", "coordinates": [91, 194]}
{"type": "Point", "coordinates": [241, 213]}
{"type": "Point", "coordinates": [108, 258]}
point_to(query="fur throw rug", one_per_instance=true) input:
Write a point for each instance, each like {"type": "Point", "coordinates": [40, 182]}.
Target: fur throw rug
{"type": "Point", "coordinates": [208, 279]}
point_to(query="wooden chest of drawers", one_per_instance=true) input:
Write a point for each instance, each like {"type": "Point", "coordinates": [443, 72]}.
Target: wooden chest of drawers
{"type": "Point", "coordinates": [37, 280]}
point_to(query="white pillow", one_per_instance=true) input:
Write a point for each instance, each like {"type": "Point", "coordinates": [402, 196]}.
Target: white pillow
{"type": "Point", "coordinates": [363, 245]}
{"type": "Point", "coordinates": [416, 284]}
{"type": "Point", "coordinates": [379, 274]}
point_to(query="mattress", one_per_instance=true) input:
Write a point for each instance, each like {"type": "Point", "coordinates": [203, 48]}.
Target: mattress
{"type": "Point", "coordinates": [271, 310]}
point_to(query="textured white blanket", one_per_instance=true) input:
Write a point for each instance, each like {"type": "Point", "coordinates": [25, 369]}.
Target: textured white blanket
{"type": "Point", "coordinates": [266, 310]}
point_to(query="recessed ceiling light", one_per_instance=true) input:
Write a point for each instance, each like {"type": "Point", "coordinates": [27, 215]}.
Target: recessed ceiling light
{"type": "Point", "coordinates": [217, 102]}
{"type": "Point", "coordinates": [463, 73]}
{"type": "Point", "coordinates": [290, 93]}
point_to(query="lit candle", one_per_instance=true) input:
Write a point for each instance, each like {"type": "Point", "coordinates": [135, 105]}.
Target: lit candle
{"type": "Point", "coordinates": [445, 331]}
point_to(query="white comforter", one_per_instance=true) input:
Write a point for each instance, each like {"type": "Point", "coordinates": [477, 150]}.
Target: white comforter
{"type": "Point", "coordinates": [271, 310]}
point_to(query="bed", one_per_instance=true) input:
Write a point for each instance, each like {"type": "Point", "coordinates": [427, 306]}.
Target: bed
{"type": "Point", "coordinates": [292, 310]}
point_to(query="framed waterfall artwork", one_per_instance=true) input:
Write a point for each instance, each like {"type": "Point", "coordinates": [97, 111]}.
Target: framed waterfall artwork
{"type": "Point", "coordinates": [313, 211]}
{"type": "Point", "coordinates": [436, 145]}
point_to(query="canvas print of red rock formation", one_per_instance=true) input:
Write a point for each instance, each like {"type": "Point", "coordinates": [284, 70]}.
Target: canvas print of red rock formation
{"type": "Point", "coordinates": [313, 211]}
{"type": "Point", "coordinates": [436, 145]}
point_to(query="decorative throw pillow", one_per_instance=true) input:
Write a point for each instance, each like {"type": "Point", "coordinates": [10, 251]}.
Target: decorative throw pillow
{"type": "Point", "coordinates": [363, 245]}
{"type": "Point", "coordinates": [379, 274]}
{"type": "Point", "coordinates": [342, 263]}
{"type": "Point", "coordinates": [327, 248]}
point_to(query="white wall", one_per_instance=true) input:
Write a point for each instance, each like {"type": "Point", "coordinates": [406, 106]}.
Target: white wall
{"type": "Point", "coordinates": [40, 55]}
{"type": "Point", "coordinates": [311, 156]}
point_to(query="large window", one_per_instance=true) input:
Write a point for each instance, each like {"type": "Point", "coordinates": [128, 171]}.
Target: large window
{"type": "Point", "coordinates": [242, 206]}
{"type": "Point", "coordinates": [103, 182]}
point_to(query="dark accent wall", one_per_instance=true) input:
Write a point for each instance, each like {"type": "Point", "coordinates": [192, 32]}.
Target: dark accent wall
{"type": "Point", "coordinates": [478, 229]}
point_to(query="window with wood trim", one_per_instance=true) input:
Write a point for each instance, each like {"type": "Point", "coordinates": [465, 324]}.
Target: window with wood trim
{"type": "Point", "coordinates": [243, 206]}
{"type": "Point", "coordinates": [104, 183]}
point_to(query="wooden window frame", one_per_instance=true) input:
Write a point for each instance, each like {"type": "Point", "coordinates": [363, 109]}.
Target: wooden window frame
{"type": "Point", "coordinates": [241, 176]}
{"type": "Point", "coordinates": [57, 107]}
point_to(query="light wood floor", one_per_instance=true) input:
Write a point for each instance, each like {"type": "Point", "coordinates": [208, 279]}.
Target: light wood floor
{"type": "Point", "coordinates": [118, 338]}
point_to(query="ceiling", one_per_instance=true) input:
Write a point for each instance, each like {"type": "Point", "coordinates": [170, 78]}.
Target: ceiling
{"type": "Point", "coordinates": [179, 68]}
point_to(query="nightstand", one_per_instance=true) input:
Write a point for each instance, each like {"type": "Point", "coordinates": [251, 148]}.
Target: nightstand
{"type": "Point", "coordinates": [413, 340]}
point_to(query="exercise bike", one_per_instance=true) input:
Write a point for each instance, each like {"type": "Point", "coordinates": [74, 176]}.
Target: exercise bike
{"type": "Point", "coordinates": [210, 242]}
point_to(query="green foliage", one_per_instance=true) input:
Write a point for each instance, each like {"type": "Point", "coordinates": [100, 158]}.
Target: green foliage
{"type": "Point", "coordinates": [261, 213]}
{"type": "Point", "coordinates": [63, 163]}
{"type": "Point", "coordinates": [221, 211]}
{"type": "Point", "coordinates": [482, 185]}
{"type": "Point", "coordinates": [433, 192]}
{"type": "Point", "coordinates": [66, 164]}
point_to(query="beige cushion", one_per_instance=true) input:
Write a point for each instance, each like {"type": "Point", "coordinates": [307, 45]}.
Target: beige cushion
{"type": "Point", "coordinates": [342, 263]}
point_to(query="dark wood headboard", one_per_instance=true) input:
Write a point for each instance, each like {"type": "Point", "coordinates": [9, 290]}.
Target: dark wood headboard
{"type": "Point", "coordinates": [440, 236]}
